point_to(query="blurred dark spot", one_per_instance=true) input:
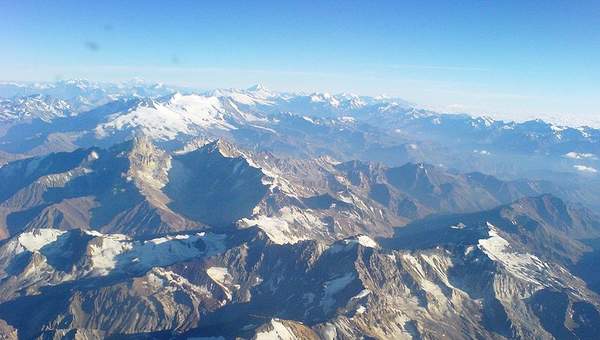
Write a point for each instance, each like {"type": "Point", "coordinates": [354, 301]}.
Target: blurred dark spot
{"type": "Point", "coordinates": [175, 60]}
{"type": "Point", "coordinates": [92, 46]}
{"type": "Point", "coordinates": [108, 27]}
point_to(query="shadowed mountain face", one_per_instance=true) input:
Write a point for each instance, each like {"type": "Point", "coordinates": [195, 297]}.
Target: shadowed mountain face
{"type": "Point", "coordinates": [110, 190]}
{"type": "Point", "coordinates": [210, 187]}
{"type": "Point", "coordinates": [417, 190]}
{"type": "Point", "coordinates": [122, 189]}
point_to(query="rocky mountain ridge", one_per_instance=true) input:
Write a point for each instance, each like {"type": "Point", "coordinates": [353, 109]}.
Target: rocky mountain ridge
{"type": "Point", "coordinates": [481, 283]}
{"type": "Point", "coordinates": [142, 211]}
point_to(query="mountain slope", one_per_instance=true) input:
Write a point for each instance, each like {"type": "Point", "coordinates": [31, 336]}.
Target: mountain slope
{"type": "Point", "coordinates": [544, 225]}
{"type": "Point", "coordinates": [484, 286]}
{"type": "Point", "coordinates": [137, 188]}
{"type": "Point", "coordinates": [343, 126]}
{"type": "Point", "coordinates": [216, 240]}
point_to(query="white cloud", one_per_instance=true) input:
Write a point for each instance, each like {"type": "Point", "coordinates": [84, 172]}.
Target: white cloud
{"type": "Point", "coordinates": [584, 168]}
{"type": "Point", "coordinates": [576, 155]}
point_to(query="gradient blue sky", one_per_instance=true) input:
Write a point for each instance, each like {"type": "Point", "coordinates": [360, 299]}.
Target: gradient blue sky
{"type": "Point", "coordinates": [512, 58]}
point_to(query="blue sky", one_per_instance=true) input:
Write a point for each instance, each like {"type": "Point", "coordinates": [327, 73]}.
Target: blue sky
{"type": "Point", "coordinates": [511, 58]}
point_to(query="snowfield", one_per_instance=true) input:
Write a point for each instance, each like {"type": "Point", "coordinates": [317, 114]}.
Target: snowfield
{"type": "Point", "coordinates": [108, 253]}
{"type": "Point", "coordinates": [182, 114]}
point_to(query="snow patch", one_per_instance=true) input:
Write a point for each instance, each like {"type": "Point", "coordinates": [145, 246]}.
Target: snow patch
{"type": "Point", "coordinates": [277, 229]}
{"type": "Point", "coordinates": [349, 243]}
{"type": "Point", "coordinates": [172, 282]}
{"type": "Point", "coordinates": [329, 332]}
{"type": "Point", "coordinates": [110, 253]}
{"type": "Point", "coordinates": [366, 241]}
{"type": "Point", "coordinates": [347, 119]}
{"type": "Point", "coordinates": [280, 229]}
{"type": "Point", "coordinates": [469, 250]}
{"type": "Point", "coordinates": [363, 293]}
{"type": "Point", "coordinates": [38, 238]}
{"type": "Point", "coordinates": [277, 331]}
{"type": "Point", "coordinates": [524, 266]}
{"type": "Point", "coordinates": [332, 287]}
{"type": "Point", "coordinates": [221, 276]}
{"type": "Point", "coordinates": [104, 256]}
{"type": "Point", "coordinates": [308, 119]}
{"type": "Point", "coordinates": [460, 225]}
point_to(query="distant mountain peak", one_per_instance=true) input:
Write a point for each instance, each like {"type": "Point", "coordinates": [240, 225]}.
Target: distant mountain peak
{"type": "Point", "coordinates": [256, 88]}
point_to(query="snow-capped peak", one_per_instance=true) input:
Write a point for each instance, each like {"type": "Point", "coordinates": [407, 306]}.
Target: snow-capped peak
{"type": "Point", "coordinates": [164, 120]}
{"type": "Point", "coordinates": [256, 88]}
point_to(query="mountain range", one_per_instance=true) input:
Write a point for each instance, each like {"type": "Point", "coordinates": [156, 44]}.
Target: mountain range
{"type": "Point", "coordinates": [145, 211]}
{"type": "Point", "coordinates": [39, 118]}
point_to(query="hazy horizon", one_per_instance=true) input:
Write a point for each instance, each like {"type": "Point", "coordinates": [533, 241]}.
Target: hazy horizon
{"type": "Point", "coordinates": [558, 119]}
{"type": "Point", "coordinates": [509, 60]}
